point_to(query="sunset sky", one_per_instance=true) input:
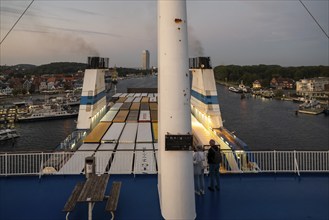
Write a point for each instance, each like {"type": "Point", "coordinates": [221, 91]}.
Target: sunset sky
{"type": "Point", "coordinates": [230, 32]}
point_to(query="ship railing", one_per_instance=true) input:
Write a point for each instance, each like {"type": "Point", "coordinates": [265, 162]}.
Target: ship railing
{"type": "Point", "coordinates": [63, 162]}
{"type": "Point", "coordinates": [36, 163]}
{"type": "Point", "coordinates": [277, 161]}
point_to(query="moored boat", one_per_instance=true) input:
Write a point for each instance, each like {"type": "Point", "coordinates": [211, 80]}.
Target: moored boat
{"type": "Point", "coordinates": [46, 112]}
{"type": "Point", "coordinates": [233, 89]}
{"type": "Point", "coordinates": [6, 134]}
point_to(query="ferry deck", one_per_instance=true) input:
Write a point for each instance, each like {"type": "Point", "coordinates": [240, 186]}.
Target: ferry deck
{"type": "Point", "coordinates": [242, 197]}
{"type": "Point", "coordinates": [124, 144]}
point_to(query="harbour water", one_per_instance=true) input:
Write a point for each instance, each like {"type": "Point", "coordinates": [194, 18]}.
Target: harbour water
{"type": "Point", "coordinates": [264, 124]}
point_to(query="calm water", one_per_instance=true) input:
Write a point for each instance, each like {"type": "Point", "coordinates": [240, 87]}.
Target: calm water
{"type": "Point", "coordinates": [263, 124]}
{"type": "Point", "coordinates": [266, 124]}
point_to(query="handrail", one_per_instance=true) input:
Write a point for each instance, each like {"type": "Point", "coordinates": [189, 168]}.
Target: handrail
{"type": "Point", "coordinates": [62, 162]}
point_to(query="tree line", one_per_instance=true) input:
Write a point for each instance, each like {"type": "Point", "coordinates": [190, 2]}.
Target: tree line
{"type": "Point", "coordinates": [248, 74]}
{"type": "Point", "coordinates": [60, 68]}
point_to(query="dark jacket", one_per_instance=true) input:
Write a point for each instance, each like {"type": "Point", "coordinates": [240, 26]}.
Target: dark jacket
{"type": "Point", "coordinates": [212, 154]}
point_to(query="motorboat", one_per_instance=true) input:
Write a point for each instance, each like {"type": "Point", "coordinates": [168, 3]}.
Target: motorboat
{"type": "Point", "coordinates": [6, 134]}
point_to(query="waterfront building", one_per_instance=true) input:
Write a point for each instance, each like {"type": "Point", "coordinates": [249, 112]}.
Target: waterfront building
{"type": "Point", "coordinates": [314, 87]}
{"type": "Point", "coordinates": [7, 90]}
{"type": "Point", "coordinates": [43, 86]}
{"type": "Point", "coordinates": [51, 83]}
{"type": "Point", "coordinates": [145, 60]}
{"type": "Point", "coordinates": [282, 83]}
{"type": "Point", "coordinates": [256, 85]}
{"type": "Point", "coordinates": [27, 85]}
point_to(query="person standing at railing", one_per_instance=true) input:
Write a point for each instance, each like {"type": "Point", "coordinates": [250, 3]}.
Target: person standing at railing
{"type": "Point", "coordinates": [214, 159]}
{"type": "Point", "coordinates": [199, 160]}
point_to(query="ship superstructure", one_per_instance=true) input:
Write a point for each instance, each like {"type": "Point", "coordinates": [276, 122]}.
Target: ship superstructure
{"type": "Point", "coordinates": [93, 96]}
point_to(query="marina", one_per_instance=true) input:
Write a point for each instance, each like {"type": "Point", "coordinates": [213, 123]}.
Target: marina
{"type": "Point", "coordinates": [300, 132]}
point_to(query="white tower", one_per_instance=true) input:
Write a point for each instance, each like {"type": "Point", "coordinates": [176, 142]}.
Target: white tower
{"type": "Point", "coordinates": [146, 60]}
{"type": "Point", "coordinates": [175, 179]}
{"type": "Point", "coordinates": [93, 96]}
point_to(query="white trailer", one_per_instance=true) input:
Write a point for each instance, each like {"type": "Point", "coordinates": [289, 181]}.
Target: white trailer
{"type": "Point", "coordinates": [144, 146]}
{"type": "Point", "coordinates": [88, 146]}
{"type": "Point", "coordinates": [138, 99]}
{"type": "Point", "coordinates": [116, 95]}
{"type": "Point", "coordinates": [126, 146]}
{"type": "Point", "coordinates": [103, 159]}
{"type": "Point", "coordinates": [110, 115]}
{"type": "Point", "coordinates": [113, 133]}
{"type": "Point", "coordinates": [144, 116]}
{"type": "Point", "coordinates": [116, 106]}
{"type": "Point", "coordinates": [153, 99]}
{"type": "Point", "coordinates": [106, 147]}
{"type": "Point", "coordinates": [122, 162]}
{"type": "Point", "coordinates": [144, 133]}
{"type": "Point", "coordinates": [144, 162]}
{"type": "Point", "coordinates": [130, 99]}
{"type": "Point", "coordinates": [129, 133]}
{"type": "Point", "coordinates": [76, 163]}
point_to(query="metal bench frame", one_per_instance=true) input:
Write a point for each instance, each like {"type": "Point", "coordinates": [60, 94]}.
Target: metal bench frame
{"type": "Point", "coordinates": [113, 199]}
{"type": "Point", "coordinates": [72, 201]}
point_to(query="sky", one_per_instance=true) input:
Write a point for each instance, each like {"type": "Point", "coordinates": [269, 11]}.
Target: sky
{"type": "Point", "coordinates": [229, 31]}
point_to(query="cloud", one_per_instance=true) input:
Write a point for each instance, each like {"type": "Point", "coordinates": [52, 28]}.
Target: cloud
{"type": "Point", "coordinates": [81, 31]}
{"type": "Point", "coordinates": [84, 12]}
{"type": "Point", "coordinates": [33, 31]}
{"type": "Point", "coordinates": [9, 10]}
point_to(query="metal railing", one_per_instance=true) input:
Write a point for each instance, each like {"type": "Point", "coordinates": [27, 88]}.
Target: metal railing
{"type": "Point", "coordinates": [246, 162]}
{"type": "Point", "coordinates": [277, 161]}
{"type": "Point", "coordinates": [32, 163]}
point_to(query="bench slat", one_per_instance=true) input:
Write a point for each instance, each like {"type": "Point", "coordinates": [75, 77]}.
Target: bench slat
{"type": "Point", "coordinates": [70, 204]}
{"type": "Point", "coordinates": [113, 199]}
{"type": "Point", "coordinates": [94, 189]}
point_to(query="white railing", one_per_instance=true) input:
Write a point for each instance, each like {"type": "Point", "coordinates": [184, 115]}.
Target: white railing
{"type": "Point", "coordinates": [32, 163]}
{"type": "Point", "coordinates": [277, 161]}
{"type": "Point", "coordinates": [63, 163]}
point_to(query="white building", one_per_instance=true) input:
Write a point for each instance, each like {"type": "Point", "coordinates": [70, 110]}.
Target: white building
{"type": "Point", "coordinates": [315, 87]}
{"type": "Point", "coordinates": [145, 60]}
{"type": "Point", "coordinates": [7, 91]}
{"type": "Point", "coordinates": [43, 86]}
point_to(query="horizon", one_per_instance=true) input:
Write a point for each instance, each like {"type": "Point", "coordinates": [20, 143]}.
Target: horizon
{"type": "Point", "coordinates": [213, 66]}
{"type": "Point", "coordinates": [239, 32]}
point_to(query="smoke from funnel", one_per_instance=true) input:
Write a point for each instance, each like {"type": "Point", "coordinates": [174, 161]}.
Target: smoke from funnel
{"type": "Point", "coordinates": [79, 45]}
{"type": "Point", "coordinates": [68, 44]}
{"type": "Point", "coordinates": [195, 45]}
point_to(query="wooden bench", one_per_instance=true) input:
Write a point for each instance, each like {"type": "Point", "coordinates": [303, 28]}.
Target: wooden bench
{"type": "Point", "coordinates": [71, 202]}
{"type": "Point", "coordinates": [112, 202]}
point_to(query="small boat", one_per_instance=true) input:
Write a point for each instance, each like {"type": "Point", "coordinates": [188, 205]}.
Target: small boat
{"type": "Point", "coordinates": [312, 103]}
{"type": "Point", "coordinates": [6, 134]}
{"type": "Point", "coordinates": [233, 89]}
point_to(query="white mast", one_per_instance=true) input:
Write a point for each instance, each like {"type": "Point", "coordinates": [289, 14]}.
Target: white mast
{"type": "Point", "coordinates": [176, 182]}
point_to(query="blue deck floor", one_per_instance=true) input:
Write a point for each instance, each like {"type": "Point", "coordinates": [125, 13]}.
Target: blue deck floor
{"type": "Point", "coordinates": [244, 197]}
